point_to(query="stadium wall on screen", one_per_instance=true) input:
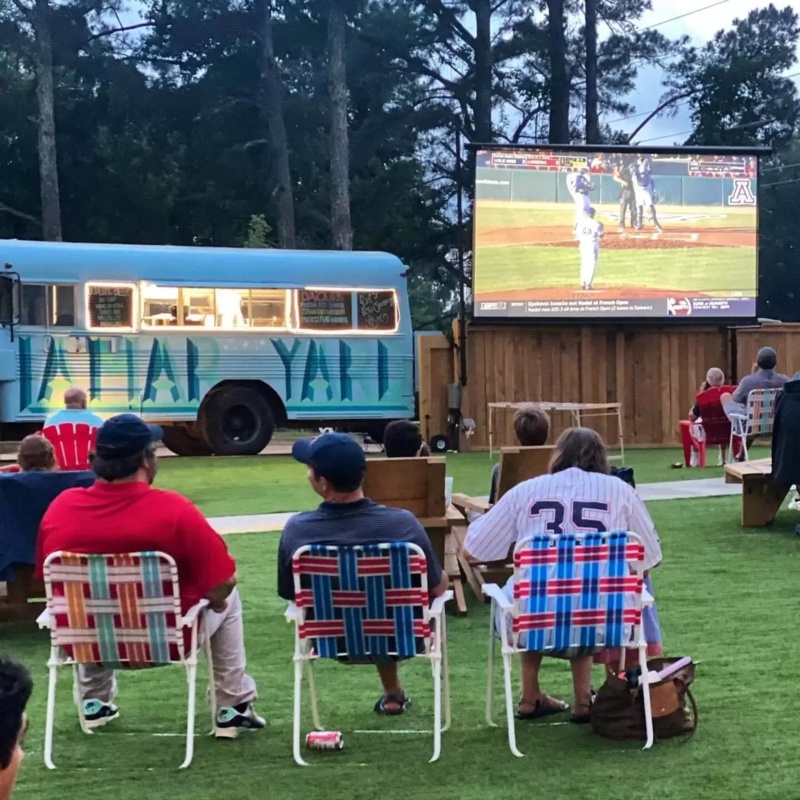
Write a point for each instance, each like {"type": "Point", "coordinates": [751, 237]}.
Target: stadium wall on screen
{"type": "Point", "coordinates": [550, 241]}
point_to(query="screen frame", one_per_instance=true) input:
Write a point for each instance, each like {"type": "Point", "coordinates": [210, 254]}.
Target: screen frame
{"type": "Point", "coordinates": [758, 151]}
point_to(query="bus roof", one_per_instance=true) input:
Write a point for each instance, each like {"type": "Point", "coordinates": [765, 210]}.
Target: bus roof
{"type": "Point", "coordinates": [54, 262]}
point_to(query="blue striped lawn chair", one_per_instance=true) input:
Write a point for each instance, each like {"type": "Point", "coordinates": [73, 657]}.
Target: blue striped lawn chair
{"type": "Point", "coordinates": [758, 419]}
{"type": "Point", "coordinates": [120, 611]}
{"type": "Point", "coordinates": [574, 594]}
{"type": "Point", "coordinates": [361, 603]}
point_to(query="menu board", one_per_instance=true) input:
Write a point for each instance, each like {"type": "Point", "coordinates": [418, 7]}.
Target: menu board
{"type": "Point", "coordinates": [325, 311]}
{"type": "Point", "coordinates": [110, 306]}
{"type": "Point", "coordinates": [376, 311]}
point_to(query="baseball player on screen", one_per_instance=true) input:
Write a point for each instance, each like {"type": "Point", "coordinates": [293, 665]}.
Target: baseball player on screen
{"type": "Point", "coordinates": [644, 188]}
{"type": "Point", "coordinates": [579, 185]}
{"type": "Point", "coordinates": [590, 232]}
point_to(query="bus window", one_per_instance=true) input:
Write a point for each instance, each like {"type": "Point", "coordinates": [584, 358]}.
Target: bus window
{"type": "Point", "coordinates": [62, 306]}
{"type": "Point", "coordinates": [377, 311]}
{"type": "Point", "coordinates": [325, 310]}
{"type": "Point", "coordinates": [159, 305]}
{"type": "Point", "coordinates": [110, 305]}
{"type": "Point", "coordinates": [34, 305]}
{"type": "Point", "coordinates": [266, 308]}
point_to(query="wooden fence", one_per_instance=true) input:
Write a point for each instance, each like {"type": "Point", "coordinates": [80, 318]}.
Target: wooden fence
{"type": "Point", "coordinates": [654, 372]}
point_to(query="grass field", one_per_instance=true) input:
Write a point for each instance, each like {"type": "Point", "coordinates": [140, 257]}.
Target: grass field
{"type": "Point", "coordinates": [526, 247]}
{"type": "Point", "coordinates": [717, 603]}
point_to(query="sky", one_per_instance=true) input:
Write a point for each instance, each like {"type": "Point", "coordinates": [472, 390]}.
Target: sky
{"type": "Point", "coordinates": [700, 27]}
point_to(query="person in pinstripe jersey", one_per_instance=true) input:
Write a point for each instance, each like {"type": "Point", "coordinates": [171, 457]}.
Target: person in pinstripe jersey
{"type": "Point", "coordinates": [579, 495]}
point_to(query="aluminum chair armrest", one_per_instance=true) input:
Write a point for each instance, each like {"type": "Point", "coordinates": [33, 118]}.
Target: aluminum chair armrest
{"type": "Point", "coordinates": [45, 620]}
{"type": "Point", "coordinates": [292, 612]}
{"type": "Point", "coordinates": [438, 604]}
{"type": "Point", "coordinates": [496, 593]}
{"type": "Point", "coordinates": [190, 617]}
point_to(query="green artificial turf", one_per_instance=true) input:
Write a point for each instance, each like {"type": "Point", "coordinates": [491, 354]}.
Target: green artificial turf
{"type": "Point", "coordinates": [269, 484]}
{"type": "Point", "coordinates": [725, 595]}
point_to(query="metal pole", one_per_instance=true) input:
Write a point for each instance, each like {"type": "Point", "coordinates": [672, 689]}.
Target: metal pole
{"type": "Point", "coordinates": [462, 302]}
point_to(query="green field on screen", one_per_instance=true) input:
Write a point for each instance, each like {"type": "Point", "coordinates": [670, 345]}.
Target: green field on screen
{"type": "Point", "coordinates": [708, 270]}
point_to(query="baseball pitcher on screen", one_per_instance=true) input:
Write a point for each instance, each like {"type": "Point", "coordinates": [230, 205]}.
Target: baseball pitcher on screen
{"type": "Point", "coordinates": [645, 190]}
{"type": "Point", "coordinates": [590, 232]}
{"type": "Point", "coordinates": [579, 185]}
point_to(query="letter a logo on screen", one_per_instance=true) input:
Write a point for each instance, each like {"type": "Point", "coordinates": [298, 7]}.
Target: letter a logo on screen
{"type": "Point", "coordinates": [742, 194]}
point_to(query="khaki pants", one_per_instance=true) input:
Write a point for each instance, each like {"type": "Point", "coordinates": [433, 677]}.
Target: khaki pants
{"type": "Point", "coordinates": [232, 684]}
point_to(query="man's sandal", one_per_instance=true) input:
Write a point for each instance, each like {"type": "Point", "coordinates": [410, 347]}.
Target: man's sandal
{"type": "Point", "coordinates": [399, 704]}
{"type": "Point", "coordinates": [544, 707]}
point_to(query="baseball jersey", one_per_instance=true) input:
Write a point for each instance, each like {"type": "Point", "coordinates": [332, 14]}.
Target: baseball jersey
{"type": "Point", "coordinates": [571, 501]}
{"type": "Point", "coordinates": [578, 183]}
{"type": "Point", "coordinates": [590, 231]}
{"type": "Point", "coordinates": [643, 175]}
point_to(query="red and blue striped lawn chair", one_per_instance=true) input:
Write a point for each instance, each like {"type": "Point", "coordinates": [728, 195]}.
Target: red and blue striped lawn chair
{"type": "Point", "coordinates": [363, 603]}
{"type": "Point", "coordinates": [72, 442]}
{"type": "Point", "coordinates": [573, 594]}
{"type": "Point", "coordinates": [120, 611]}
{"type": "Point", "coordinates": [758, 420]}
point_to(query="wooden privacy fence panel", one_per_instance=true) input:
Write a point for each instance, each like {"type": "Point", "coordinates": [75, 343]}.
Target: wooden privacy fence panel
{"type": "Point", "coordinates": [434, 375]}
{"type": "Point", "coordinates": [785, 338]}
{"type": "Point", "coordinates": [654, 372]}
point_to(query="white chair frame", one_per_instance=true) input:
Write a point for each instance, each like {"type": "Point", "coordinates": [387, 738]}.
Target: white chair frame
{"type": "Point", "coordinates": [304, 655]}
{"type": "Point", "coordinates": [742, 424]}
{"type": "Point", "coordinates": [193, 618]}
{"type": "Point", "coordinates": [509, 610]}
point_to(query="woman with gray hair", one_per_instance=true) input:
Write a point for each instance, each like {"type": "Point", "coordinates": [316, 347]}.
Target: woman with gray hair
{"type": "Point", "coordinates": [714, 377]}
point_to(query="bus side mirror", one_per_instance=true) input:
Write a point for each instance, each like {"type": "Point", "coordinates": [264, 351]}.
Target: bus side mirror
{"type": "Point", "coordinates": [9, 299]}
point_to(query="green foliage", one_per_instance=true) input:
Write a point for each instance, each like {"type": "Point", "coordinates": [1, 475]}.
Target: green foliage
{"type": "Point", "coordinates": [258, 233]}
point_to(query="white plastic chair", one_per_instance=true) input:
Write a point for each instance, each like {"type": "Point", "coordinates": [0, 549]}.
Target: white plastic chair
{"type": "Point", "coordinates": [359, 603]}
{"type": "Point", "coordinates": [587, 579]}
{"type": "Point", "coordinates": [119, 611]}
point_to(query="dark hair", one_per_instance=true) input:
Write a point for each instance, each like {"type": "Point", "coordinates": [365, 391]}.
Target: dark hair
{"type": "Point", "coordinates": [15, 691]}
{"type": "Point", "coordinates": [339, 484]}
{"type": "Point", "coordinates": [115, 469]}
{"type": "Point", "coordinates": [768, 359]}
{"type": "Point", "coordinates": [36, 454]}
{"type": "Point", "coordinates": [402, 439]}
{"type": "Point", "coordinates": [531, 425]}
{"type": "Point", "coordinates": [582, 448]}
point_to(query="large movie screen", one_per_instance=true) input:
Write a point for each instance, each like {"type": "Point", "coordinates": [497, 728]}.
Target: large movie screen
{"type": "Point", "coordinates": [614, 234]}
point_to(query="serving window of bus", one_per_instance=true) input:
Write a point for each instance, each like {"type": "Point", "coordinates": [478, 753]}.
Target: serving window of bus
{"type": "Point", "coordinates": [340, 311]}
{"type": "Point", "coordinates": [226, 309]}
{"type": "Point", "coordinates": [47, 305]}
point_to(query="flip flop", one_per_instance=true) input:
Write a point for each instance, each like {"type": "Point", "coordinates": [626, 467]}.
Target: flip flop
{"type": "Point", "coordinates": [403, 701]}
{"type": "Point", "coordinates": [541, 710]}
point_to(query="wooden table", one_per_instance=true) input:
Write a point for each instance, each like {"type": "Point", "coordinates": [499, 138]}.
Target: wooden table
{"type": "Point", "coordinates": [23, 596]}
{"type": "Point", "coordinates": [578, 412]}
{"type": "Point", "coordinates": [761, 499]}
{"type": "Point", "coordinates": [440, 531]}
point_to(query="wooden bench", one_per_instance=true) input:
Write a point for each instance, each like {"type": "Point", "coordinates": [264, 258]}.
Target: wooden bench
{"type": "Point", "coordinates": [517, 464]}
{"type": "Point", "coordinates": [23, 598]}
{"type": "Point", "coordinates": [761, 499]}
{"type": "Point", "coordinates": [417, 485]}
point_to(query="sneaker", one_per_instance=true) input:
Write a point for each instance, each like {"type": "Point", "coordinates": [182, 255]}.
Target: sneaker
{"type": "Point", "coordinates": [232, 719]}
{"type": "Point", "coordinates": [98, 713]}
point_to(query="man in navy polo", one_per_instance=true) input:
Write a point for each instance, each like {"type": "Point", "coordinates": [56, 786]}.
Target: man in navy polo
{"type": "Point", "coordinates": [336, 468]}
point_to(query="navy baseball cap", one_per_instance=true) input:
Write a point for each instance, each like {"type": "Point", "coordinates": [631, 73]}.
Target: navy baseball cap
{"type": "Point", "coordinates": [335, 456]}
{"type": "Point", "coordinates": [125, 435]}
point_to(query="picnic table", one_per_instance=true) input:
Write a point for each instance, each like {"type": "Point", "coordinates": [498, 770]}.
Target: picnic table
{"type": "Point", "coordinates": [761, 498]}
{"type": "Point", "coordinates": [440, 531]}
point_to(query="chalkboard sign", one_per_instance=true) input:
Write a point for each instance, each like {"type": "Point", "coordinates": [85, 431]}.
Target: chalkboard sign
{"type": "Point", "coordinates": [325, 311]}
{"type": "Point", "coordinates": [376, 311]}
{"type": "Point", "coordinates": [110, 306]}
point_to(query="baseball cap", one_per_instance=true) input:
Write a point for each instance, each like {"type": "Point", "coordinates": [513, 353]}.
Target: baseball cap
{"type": "Point", "coordinates": [125, 435]}
{"type": "Point", "coordinates": [767, 358]}
{"type": "Point", "coordinates": [334, 456]}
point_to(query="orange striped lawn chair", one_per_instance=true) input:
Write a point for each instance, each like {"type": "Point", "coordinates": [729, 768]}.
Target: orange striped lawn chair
{"type": "Point", "coordinates": [119, 611]}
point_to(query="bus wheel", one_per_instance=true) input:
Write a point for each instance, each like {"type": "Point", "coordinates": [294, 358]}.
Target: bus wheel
{"type": "Point", "coordinates": [185, 440]}
{"type": "Point", "coordinates": [238, 421]}
{"type": "Point", "coordinates": [440, 444]}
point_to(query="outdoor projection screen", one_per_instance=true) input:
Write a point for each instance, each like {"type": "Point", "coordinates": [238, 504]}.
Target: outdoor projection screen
{"type": "Point", "coordinates": [551, 240]}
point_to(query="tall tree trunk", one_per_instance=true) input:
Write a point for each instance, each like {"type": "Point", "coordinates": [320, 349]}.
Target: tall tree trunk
{"type": "Point", "coordinates": [590, 37]}
{"type": "Point", "coordinates": [273, 108]}
{"type": "Point", "coordinates": [559, 75]}
{"type": "Point", "coordinates": [45, 96]}
{"type": "Point", "coordinates": [341, 227]}
{"type": "Point", "coordinates": [483, 69]}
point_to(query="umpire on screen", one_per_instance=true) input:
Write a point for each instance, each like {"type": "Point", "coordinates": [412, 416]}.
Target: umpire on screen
{"type": "Point", "coordinates": [627, 199]}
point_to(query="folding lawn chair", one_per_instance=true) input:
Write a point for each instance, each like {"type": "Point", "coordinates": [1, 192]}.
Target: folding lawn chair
{"type": "Point", "coordinates": [73, 442]}
{"type": "Point", "coordinates": [758, 419]}
{"type": "Point", "coordinates": [359, 603]}
{"type": "Point", "coordinates": [573, 592]}
{"type": "Point", "coordinates": [120, 611]}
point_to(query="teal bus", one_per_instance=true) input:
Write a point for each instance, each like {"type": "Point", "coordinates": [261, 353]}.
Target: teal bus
{"type": "Point", "coordinates": [218, 345]}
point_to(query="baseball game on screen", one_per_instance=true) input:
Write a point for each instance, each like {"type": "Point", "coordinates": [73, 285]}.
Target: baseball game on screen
{"type": "Point", "coordinates": [628, 234]}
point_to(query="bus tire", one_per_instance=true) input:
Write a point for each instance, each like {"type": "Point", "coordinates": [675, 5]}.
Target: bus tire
{"type": "Point", "coordinates": [185, 440]}
{"type": "Point", "coordinates": [440, 444]}
{"type": "Point", "coordinates": [238, 421]}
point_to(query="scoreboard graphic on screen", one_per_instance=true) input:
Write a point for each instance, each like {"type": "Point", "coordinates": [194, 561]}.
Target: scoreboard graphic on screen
{"type": "Point", "coordinates": [623, 233]}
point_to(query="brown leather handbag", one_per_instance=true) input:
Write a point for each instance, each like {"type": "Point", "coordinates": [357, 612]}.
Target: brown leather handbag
{"type": "Point", "coordinates": [618, 709]}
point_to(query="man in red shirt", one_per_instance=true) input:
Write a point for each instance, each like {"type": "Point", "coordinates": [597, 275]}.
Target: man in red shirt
{"type": "Point", "coordinates": [122, 513]}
